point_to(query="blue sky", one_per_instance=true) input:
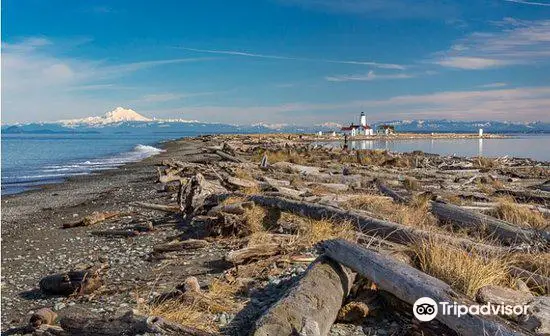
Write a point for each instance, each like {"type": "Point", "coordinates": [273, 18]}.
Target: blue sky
{"type": "Point", "coordinates": [277, 61]}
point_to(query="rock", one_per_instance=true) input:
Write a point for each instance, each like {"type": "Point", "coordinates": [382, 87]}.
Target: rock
{"type": "Point", "coordinates": [191, 284]}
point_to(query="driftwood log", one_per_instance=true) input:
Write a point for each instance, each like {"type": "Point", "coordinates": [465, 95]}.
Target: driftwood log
{"type": "Point", "coordinates": [94, 218]}
{"type": "Point", "coordinates": [385, 190]}
{"type": "Point", "coordinates": [253, 252]}
{"type": "Point", "coordinates": [409, 284]}
{"type": "Point", "coordinates": [193, 196]}
{"type": "Point", "coordinates": [79, 282]}
{"type": "Point", "coordinates": [503, 231]}
{"type": "Point", "coordinates": [181, 245]}
{"type": "Point", "coordinates": [233, 208]}
{"type": "Point", "coordinates": [129, 324]}
{"type": "Point", "coordinates": [525, 196]}
{"type": "Point", "coordinates": [391, 231]}
{"type": "Point", "coordinates": [315, 299]}
{"type": "Point", "coordinates": [159, 207]}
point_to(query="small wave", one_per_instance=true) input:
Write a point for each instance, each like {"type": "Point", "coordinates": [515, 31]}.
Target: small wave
{"type": "Point", "coordinates": [148, 149]}
{"type": "Point", "coordinates": [59, 172]}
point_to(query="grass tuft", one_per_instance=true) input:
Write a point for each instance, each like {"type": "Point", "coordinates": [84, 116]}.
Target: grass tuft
{"type": "Point", "coordinates": [508, 210]}
{"type": "Point", "coordinates": [465, 272]}
{"type": "Point", "coordinates": [312, 231]}
{"type": "Point", "coordinates": [416, 215]}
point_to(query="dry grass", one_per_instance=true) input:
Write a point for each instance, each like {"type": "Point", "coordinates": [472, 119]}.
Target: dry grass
{"type": "Point", "coordinates": [454, 199]}
{"type": "Point", "coordinates": [311, 231]}
{"type": "Point", "coordinates": [465, 272]}
{"type": "Point", "coordinates": [180, 312]}
{"type": "Point", "coordinates": [282, 156]}
{"type": "Point", "coordinates": [242, 174]}
{"type": "Point", "coordinates": [411, 184]}
{"type": "Point", "coordinates": [254, 218]}
{"type": "Point", "coordinates": [377, 158]}
{"type": "Point", "coordinates": [198, 313]}
{"type": "Point", "coordinates": [508, 210]}
{"type": "Point", "coordinates": [483, 162]}
{"type": "Point", "coordinates": [537, 263]}
{"type": "Point", "coordinates": [416, 215]}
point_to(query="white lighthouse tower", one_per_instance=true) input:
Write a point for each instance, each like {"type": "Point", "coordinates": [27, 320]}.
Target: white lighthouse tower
{"type": "Point", "coordinates": [363, 119]}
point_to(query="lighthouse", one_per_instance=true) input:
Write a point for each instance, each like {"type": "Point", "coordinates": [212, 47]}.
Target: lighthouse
{"type": "Point", "coordinates": [363, 119]}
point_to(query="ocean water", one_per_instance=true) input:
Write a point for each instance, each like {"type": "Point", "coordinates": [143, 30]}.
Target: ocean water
{"type": "Point", "coordinates": [31, 160]}
{"type": "Point", "coordinates": [525, 146]}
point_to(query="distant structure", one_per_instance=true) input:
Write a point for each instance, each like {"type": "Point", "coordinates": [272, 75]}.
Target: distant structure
{"type": "Point", "coordinates": [481, 132]}
{"type": "Point", "coordinates": [362, 129]}
{"type": "Point", "coordinates": [386, 129]}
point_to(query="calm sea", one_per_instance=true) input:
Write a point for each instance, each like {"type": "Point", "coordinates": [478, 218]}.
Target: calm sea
{"type": "Point", "coordinates": [30, 160]}
{"type": "Point", "coordinates": [525, 146]}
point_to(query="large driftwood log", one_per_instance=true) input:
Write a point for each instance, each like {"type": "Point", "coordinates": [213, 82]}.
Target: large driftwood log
{"type": "Point", "coordinates": [129, 324]}
{"type": "Point", "coordinates": [409, 284]}
{"type": "Point", "coordinates": [391, 231]}
{"type": "Point", "coordinates": [193, 196]}
{"type": "Point", "coordinates": [317, 298]}
{"type": "Point", "coordinates": [296, 168]}
{"type": "Point", "coordinates": [503, 231]}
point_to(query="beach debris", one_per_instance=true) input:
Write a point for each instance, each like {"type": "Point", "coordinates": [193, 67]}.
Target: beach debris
{"type": "Point", "coordinates": [181, 245]}
{"type": "Point", "coordinates": [193, 196]}
{"type": "Point", "coordinates": [130, 323]}
{"type": "Point", "coordinates": [94, 218]}
{"type": "Point", "coordinates": [159, 207]}
{"type": "Point", "coordinates": [325, 284]}
{"type": "Point", "coordinates": [79, 282]}
{"type": "Point", "coordinates": [408, 284]}
{"type": "Point", "coordinates": [42, 316]}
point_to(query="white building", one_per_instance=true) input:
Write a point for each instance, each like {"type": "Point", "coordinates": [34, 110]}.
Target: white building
{"type": "Point", "coordinates": [362, 129]}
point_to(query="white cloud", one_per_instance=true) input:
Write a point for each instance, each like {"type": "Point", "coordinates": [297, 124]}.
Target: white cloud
{"type": "Point", "coordinates": [520, 104]}
{"type": "Point", "coordinates": [532, 3]}
{"type": "Point", "coordinates": [517, 42]}
{"type": "Point", "coordinates": [381, 8]}
{"type": "Point", "coordinates": [39, 85]}
{"type": "Point", "coordinates": [370, 76]}
{"type": "Point", "coordinates": [248, 54]}
{"type": "Point", "coordinates": [164, 97]}
{"type": "Point", "coordinates": [470, 62]}
{"type": "Point", "coordinates": [494, 85]}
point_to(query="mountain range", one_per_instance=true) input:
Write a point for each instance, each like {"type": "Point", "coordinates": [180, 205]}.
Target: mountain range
{"type": "Point", "coordinates": [122, 120]}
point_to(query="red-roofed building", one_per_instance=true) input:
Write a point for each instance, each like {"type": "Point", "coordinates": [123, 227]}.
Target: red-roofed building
{"type": "Point", "coordinates": [363, 129]}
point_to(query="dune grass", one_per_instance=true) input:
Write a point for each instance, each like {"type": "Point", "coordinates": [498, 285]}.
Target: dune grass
{"type": "Point", "coordinates": [508, 210]}
{"type": "Point", "coordinates": [465, 272]}
{"type": "Point", "coordinates": [416, 214]}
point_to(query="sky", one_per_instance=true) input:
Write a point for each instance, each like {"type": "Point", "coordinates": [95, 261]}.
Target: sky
{"type": "Point", "coordinates": [300, 62]}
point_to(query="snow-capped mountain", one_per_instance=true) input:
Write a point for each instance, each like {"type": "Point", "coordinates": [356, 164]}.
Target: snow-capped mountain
{"type": "Point", "coordinates": [117, 115]}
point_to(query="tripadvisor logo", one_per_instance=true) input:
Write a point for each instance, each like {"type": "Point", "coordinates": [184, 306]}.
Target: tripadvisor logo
{"type": "Point", "coordinates": [426, 309]}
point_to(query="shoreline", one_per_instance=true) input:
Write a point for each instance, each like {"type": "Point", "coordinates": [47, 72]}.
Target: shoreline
{"type": "Point", "coordinates": [305, 137]}
{"type": "Point", "coordinates": [35, 245]}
